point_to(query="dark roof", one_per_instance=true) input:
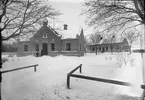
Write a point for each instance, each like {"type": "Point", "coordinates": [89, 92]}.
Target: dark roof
{"type": "Point", "coordinates": [70, 39]}
{"type": "Point", "coordinates": [114, 43]}
{"type": "Point", "coordinates": [106, 41]}
{"type": "Point", "coordinates": [53, 30]}
{"type": "Point", "coordinates": [43, 29]}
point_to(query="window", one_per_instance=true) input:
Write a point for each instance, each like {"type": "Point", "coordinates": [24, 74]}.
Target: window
{"type": "Point", "coordinates": [37, 47]}
{"type": "Point", "coordinates": [100, 48]}
{"type": "Point", "coordinates": [53, 47]}
{"type": "Point", "coordinates": [106, 48]}
{"type": "Point", "coordinates": [117, 46]}
{"type": "Point", "coordinates": [45, 35]}
{"type": "Point", "coordinates": [80, 47]}
{"type": "Point", "coordinates": [68, 47]}
{"type": "Point", "coordinates": [103, 49]}
{"type": "Point", "coordinates": [25, 47]}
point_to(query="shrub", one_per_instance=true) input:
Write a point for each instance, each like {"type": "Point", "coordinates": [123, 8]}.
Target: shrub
{"type": "Point", "coordinates": [122, 58]}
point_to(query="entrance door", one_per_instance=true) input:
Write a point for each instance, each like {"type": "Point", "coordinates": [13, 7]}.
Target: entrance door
{"type": "Point", "coordinates": [44, 49]}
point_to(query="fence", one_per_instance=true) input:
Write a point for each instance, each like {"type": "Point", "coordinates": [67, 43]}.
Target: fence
{"type": "Point", "coordinates": [21, 68]}
{"type": "Point", "coordinates": [6, 71]}
{"type": "Point", "coordinates": [70, 74]}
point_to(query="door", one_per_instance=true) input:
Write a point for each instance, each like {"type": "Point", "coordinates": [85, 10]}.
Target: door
{"type": "Point", "coordinates": [44, 49]}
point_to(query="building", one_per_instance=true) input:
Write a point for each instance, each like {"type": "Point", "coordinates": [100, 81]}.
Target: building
{"type": "Point", "coordinates": [105, 46]}
{"type": "Point", "coordinates": [48, 41]}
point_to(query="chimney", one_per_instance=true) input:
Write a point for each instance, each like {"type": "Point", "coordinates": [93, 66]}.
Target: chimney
{"type": "Point", "coordinates": [77, 36]}
{"type": "Point", "coordinates": [65, 26]}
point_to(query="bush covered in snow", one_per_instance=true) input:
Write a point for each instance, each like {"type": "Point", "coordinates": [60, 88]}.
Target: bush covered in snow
{"type": "Point", "coordinates": [124, 58]}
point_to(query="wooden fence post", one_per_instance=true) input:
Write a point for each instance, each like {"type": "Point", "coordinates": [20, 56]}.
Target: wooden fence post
{"type": "Point", "coordinates": [143, 95]}
{"type": "Point", "coordinates": [142, 46]}
{"type": "Point", "coordinates": [80, 68]}
{"type": "Point", "coordinates": [0, 77]}
{"type": "Point", "coordinates": [68, 81]}
{"type": "Point", "coordinates": [35, 68]}
{"type": "Point", "coordinates": [0, 84]}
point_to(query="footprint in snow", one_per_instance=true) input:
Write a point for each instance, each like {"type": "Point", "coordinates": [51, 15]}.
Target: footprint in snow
{"type": "Point", "coordinates": [68, 98]}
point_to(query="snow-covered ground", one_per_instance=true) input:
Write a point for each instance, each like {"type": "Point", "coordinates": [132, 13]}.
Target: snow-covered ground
{"type": "Point", "coordinates": [49, 82]}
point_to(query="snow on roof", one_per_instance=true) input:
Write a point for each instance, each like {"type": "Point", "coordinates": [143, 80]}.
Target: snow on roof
{"type": "Point", "coordinates": [117, 40]}
{"type": "Point", "coordinates": [67, 34]}
{"type": "Point", "coordinates": [101, 42]}
{"type": "Point", "coordinates": [104, 41]}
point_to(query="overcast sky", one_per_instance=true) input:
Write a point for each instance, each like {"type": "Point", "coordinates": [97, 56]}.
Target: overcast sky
{"type": "Point", "coordinates": [71, 10]}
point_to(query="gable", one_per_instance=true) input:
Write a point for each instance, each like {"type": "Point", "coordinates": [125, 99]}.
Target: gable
{"type": "Point", "coordinates": [125, 41]}
{"type": "Point", "coordinates": [46, 31]}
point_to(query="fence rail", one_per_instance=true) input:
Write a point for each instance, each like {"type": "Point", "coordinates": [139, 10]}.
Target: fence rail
{"type": "Point", "coordinates": [80, 66]}
{"type": "Point", "coordinates": [70, 74]}
{"type": "Point", "coordinates": [101, 80]}
{"type": "Point", "coordinates": [6, 71]}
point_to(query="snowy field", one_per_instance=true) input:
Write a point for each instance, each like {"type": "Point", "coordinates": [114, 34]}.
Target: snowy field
{"type": "Point", "coordinates": [49, 82]}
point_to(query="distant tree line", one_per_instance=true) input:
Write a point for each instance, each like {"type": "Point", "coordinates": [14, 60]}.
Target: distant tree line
{"type": "Point", "coordinates": [8, 48]}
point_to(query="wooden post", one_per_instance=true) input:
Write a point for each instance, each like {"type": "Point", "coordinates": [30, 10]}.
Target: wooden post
{"type": "Point", "coordinates": [142, 46]}
{"type": "Point", "coordinates": [80, 68]}
{"type": "Point", "coordinates": [70, 73]}
{"type": "Point", "coordinates": [35, 68]}
{"type": "Point", "coordinates": [96, 49]}
{"type": "Point", "coordinates": [111, 47]}
{"type": "Point", "coordinates": [143, 65]}
{"type": "Point", "coordinates": [0, 84]}
{"type": "Point", "coordinates": [0, 77]}
{"type": "Point", "coordinates": [0, 91]}
{"type": "Point", "coordinates": [68, 81]}
{"type": "Point", "coordinates": [130, 49]}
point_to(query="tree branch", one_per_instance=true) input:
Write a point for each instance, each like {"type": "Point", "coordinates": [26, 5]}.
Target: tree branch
{"type": "Point", "coordinates": [4, 3]}
{"type": "Point", "coordinates": [139, 11]}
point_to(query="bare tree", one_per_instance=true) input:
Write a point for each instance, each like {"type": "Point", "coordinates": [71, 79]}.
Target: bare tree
{"type": "Point", "coordinates": [115, 16]}
{"type": "Point", "coordinates": [112, 16]}
{"type": "Point", "coordinates": [94, 38]}
{"type": "Point", "coordinates": [20, 17]}
{"type": "Point", "coordinates": [110, 39]}
{"type": "Point", "coordinates": [86, 41]}
{"type": "Point", "coordinates": [132, 36]}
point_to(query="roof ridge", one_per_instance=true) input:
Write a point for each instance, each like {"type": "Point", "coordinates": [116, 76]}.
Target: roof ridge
{"type": "Point", "coordinates": [53, 30]}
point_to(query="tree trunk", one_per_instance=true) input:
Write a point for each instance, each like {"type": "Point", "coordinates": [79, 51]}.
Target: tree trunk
{"type": "Point", "coordinates": [143, 65]}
